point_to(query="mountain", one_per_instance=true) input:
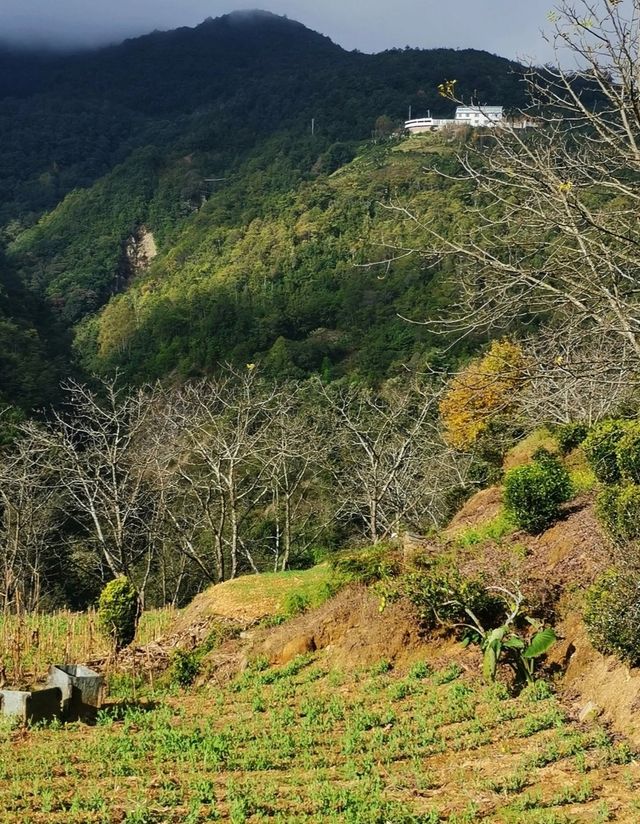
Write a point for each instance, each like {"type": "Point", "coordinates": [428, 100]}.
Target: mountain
{"type": "Point", "coordinates": [194, 139]}
{"type": "Point", "coordinates": [32, 362]}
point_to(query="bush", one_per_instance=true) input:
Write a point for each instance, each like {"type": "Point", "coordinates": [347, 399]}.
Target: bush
{"type": "Point", "coordinates": [295, 603]}
{"type": "Point", "coordinates": [600, 447]}
{"type": "Point", "coordinates": [442, 595]}
{"type": "Point", "coordinates": [185, 667]}
{"type": "Point", "coordinates": [607, 509]}
{"type": "Point", "coordinates": [618, 509]}
{"type": "Point", "coordinates": [628, 452]}
{"type": "Point", "coordinates": [612, 615]}
{"type": "Point", "coordinates": [119, 611]}
{"type": "Point", "coordinates": [571, 435]}
{"type": "Point", "coordinates": [533, 493]}
{"type": "Point", "coordinates": [629, 512]}
{"type": "Point", "coordinates": [367, 566]}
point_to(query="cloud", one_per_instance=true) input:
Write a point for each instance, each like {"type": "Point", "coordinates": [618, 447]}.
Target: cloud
{"type": "Point", "coordinates": [507, 27]}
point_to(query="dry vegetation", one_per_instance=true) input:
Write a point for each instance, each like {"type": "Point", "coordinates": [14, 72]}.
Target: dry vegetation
{"type": "Point", "coordinates": [29, 644]}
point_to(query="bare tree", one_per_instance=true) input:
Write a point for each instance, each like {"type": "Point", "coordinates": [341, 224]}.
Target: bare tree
{"type": "Point", "coordinates": [573, 376]}
{"type": "Point", "coordinates": [297, 461]}
{"type": "Point", "coordinates": [29, 519]}
{"type": "Point", "coordinates": [393, 467]}
{"type": "Point", "coordinates": [98, 450]}
{"type": "Point", "coordinates": [191, 504]}
{"type": "Point", "coordinates": [222, 425]}
{"type": "Point", "coordinates": [552, 221]}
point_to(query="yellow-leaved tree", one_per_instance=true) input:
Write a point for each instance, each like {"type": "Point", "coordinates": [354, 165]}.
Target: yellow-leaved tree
{"type": "Point", "coordinates": [485, 390]}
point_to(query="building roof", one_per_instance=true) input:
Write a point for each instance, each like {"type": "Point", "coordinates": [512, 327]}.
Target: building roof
{"type": "Point", "coordinates": [482, 109]}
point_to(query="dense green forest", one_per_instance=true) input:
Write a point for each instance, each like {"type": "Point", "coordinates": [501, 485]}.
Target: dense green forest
{"type": "Point", "coordinates": [279, 271]}
{"type": "Point", "coordinates": [32, 361]}
{"type": "Point", "coordinates": [263, 229]}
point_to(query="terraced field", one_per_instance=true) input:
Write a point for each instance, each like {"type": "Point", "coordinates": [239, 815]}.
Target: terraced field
{"type": "Point", "coordinates": [303, 744]}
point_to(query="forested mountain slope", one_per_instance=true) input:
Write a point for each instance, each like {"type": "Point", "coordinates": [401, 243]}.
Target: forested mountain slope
{"type": "Point", "coordinates": [102, 147]}
{"type": "Point", "coordinates": [31, 345]}
{"type": "Point", "coordinates": [283, 274]}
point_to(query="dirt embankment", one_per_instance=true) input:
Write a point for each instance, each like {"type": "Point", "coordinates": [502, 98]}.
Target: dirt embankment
{"type": "Point", "coordinates": [350, 630]}
{"type": "Point", "coordinates": [552, 569]}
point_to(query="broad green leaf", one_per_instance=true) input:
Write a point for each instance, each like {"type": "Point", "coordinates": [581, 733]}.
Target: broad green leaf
{"type": "Point", "coordinates": [540, 643]}
{"type": "Point", "coordinates": [514, 643]}
{"type": "Point", "coordinates": [496, 635]}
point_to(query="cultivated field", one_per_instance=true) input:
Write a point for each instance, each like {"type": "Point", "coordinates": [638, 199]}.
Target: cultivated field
{"type": "Point", "coordinates": [303, 744]}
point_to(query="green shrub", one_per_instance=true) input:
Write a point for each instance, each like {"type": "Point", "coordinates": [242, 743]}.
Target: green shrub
{"type": "Point", "coordinates": [119, 611]}
{"type": "Point", "coordinates": [185, 667]}
{"type": "Point", "coordinates": [629, 512]}
{"type": "Point", "coordinates": [295, 603]}
{"type": "Point", "coordinates": [367, 566]}
{"type": "Point", "coordinates": [441, 595]}
{"type": "Point", "coordinates": [571, 435]}
{"type": "Point", "coordinates": [600, 447]}
{"type": "Point", "coordinates": [618, 509]}
{"type": "Point", "coordinates": [533, 493]}
{"type": "Point", "coordinates": [612, 614]}
{"type": "Point", "coordinates": [628, 452]}
{"type": "Point", "coordinates": [607, 509]}
{"type": "Point", "coordinates": [494, 530]}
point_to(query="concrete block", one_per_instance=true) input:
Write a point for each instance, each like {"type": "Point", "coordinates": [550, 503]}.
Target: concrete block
{"type": "Point", "coordinates": [13, 703]}
{"type": "Point", "coordinates": [44, 705]}
{"type": "Point", "coordinates": [31, 707]}
{"type": "Point", "coordinates": [82, 690]}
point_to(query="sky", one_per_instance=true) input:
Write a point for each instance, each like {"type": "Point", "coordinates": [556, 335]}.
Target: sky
{"type": "Point", "coordinates": [507, 27]}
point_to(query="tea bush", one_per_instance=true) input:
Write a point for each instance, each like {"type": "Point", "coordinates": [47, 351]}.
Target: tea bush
{"type": "Point", "coordinates": [628, 452]}
{"type": "Point", "coordinates": [612, 614]}
{"type": "Point", "coordinates": [618, 509]}
{"type": "Point", "coordinates": [571, 435]}
{"type": "Point", "coordinates": [607, 508]}
{"type": "Point", "coordinates": [533, 493]}
{"type": "Point", "coordinates": [600, 447]}
{"type": "Point", "coordinates": [119, 611]}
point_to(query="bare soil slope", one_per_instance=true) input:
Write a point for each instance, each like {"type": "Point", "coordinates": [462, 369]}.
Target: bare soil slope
{"type": "Point", "coordinates": [553, 570]}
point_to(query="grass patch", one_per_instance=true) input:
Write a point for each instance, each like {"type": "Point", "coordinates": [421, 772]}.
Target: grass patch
{"type": "Point", "coordinates": [280, 593]}
{"type": "Point", "coordinates": [523, 452]}
{"type": "Point", "coordinates": [494, 530]}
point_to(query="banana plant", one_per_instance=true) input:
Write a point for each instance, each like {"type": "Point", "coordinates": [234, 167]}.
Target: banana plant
{"type": "Point", "coordinates": [506, 644]}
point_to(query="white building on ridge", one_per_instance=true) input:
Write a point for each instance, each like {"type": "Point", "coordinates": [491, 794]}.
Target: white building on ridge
{"type": "Point", "coordinates": [487, 116]}
{"type": "Point", "coordinates": [480, 115]}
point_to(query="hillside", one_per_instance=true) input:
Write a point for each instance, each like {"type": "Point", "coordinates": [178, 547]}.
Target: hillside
{"type": "Point", "coordinates": [340, 500]}
{"type": "Point", "coordinates": [211, 159]}
{"type": "Point", "coordinates": [65, 121]}
{"type": "Point", "coordinates": [278, 271]}
{"type": "Point", "coordinates": [32, 345]}
{"type": "Point", "coordinates": [349, 712]}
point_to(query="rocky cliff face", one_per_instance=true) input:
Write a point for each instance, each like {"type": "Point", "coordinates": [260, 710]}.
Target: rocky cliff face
{"type": "Point", "coordinates": [138, 251]}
